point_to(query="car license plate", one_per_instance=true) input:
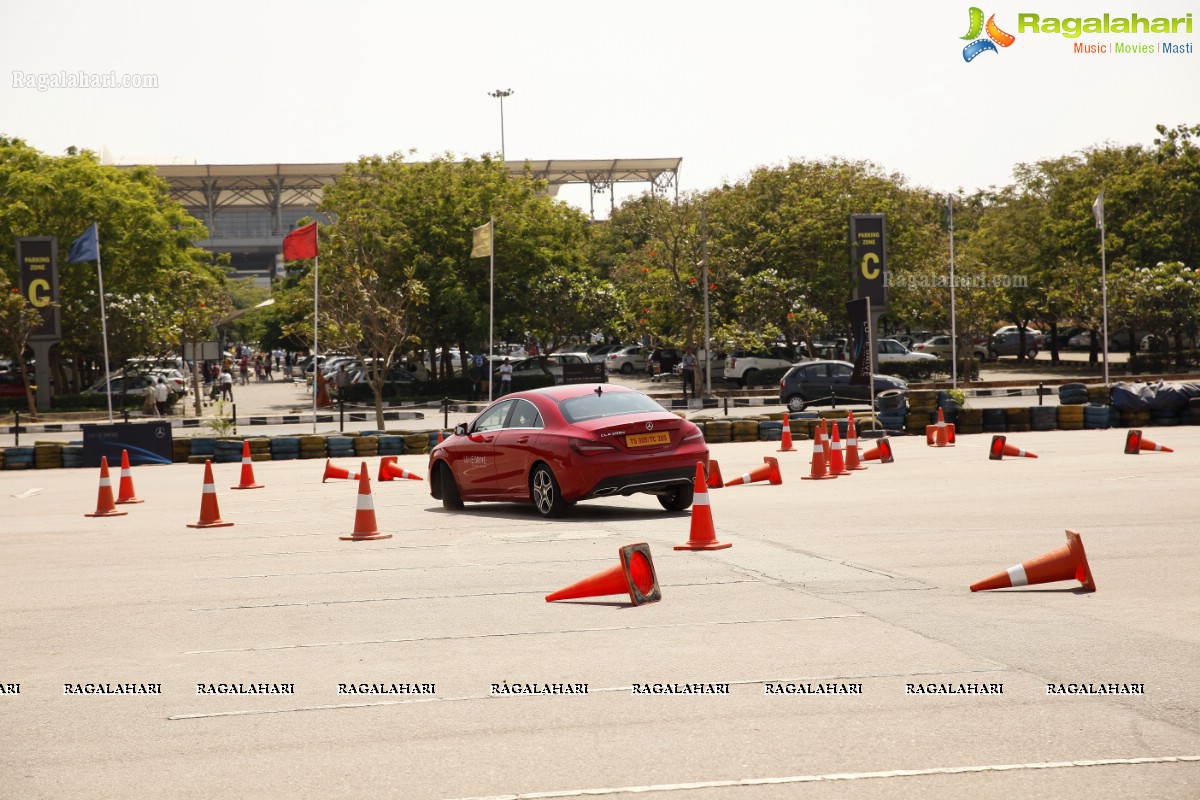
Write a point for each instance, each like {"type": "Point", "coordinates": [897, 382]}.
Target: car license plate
{"type": "Point", "coordinates": [646, 439]}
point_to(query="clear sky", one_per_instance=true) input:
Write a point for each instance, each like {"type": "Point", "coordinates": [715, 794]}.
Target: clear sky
{"type": "Point", "coordinates": [726, 86]}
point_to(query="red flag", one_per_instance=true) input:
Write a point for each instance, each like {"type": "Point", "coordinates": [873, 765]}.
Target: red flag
{"type": "Point", "coordinates": [301, 243]}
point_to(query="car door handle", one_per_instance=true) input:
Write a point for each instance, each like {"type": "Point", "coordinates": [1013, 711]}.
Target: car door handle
{"type": "Point", "coordinates": [523, 440]}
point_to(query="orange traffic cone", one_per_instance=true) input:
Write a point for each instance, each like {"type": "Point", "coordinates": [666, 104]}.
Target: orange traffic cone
{"type": "Point", "coordinates": [1001, 448]}
{"type": "Point", "coordinates": [940, 434]}
{"type": "Point", "coordinates": [365, 527]}
{"type": "Point", "coordinates": [881, 452]}
{"type": "Point", "coordinates": [105, 507]}
{"type": "Point", "coordinates": [826, 444]}
{"type": "Point", "coordinates": [389, 470]}
{"type": "Point", "coordinates": [633, 576]}
{"type": "Point", "coordinates": [837, 464]}
{"type": "Point", "coordinates": [769, 471]}
{"type": "Point", "coordinates": [125, 493]}
{"type": "Point", "coordinates": [210, 514]}
{"type": "Point", "coordinates": [785, 441]}
{"type": "Point", "coordinates": [334, 471]}
{"type": "Point", "coordinates": [703, 536]}
{"type": "Point", "coordinates": [853, 462]}
{"type": "Point", "coordinates": [820, 468]}
{"type": "Point", "coordinates": [439, 441]}
{"type": "Point", "coordinates": [715, 481]}
{"type": "Point", "coordinates": [1136, 443]}
{"type": "Point", "coordinates": [247, 470]}
{"type": "Point", "coordinates": [1062, 564]}
{"type": "Point", "coordinates": [323, 400]}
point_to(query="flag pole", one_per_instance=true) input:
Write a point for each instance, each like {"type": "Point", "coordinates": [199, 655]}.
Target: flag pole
{"type": "Point", "coordinates": [953, 321]}
{"type": "Point", "coordinates": [1104, 288]}
{"type": "Point", "coordinates": [492, 292]}
{"type": "Point", "coordinates": [870, 374]}
{"type": "Point", "coordinates": [316, 360]}
{"type": "Point", "coordinates": [103, 324]}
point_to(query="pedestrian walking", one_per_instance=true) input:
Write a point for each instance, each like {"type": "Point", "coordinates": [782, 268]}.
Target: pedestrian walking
{"type": "Point", "coordinates": [689, 373]}
{"type": "Point", "coordinates": [506, 371]}
{"type": "Point", "coordinates": [162, 396]}
{"type": "Point", "coordinates": [227, 385]}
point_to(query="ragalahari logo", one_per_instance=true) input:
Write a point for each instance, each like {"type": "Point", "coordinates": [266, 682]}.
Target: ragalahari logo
{"type": "Point", "coordinates": [995, 36]}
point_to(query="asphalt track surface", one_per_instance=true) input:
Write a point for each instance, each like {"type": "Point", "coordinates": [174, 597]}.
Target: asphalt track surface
{"type": "Point", "coordinates": [855, 581]}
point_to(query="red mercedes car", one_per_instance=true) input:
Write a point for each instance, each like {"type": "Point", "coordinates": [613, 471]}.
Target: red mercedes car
{"type": "Point", "coordinates": [553, 447]}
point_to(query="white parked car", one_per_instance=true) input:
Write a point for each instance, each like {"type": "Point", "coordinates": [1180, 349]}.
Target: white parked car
{"type": "Point", "coordinates": [742, 365]}
{"type": "Point", "coordinates": [627, 360]}
{"type": "Point", "coordinates": [890, 350]}
{"type": "Point", "coordinates": [939, 347]}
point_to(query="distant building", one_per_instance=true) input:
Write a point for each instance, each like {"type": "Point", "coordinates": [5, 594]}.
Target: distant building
{"type": "Point", "coordinates": [249, 208]}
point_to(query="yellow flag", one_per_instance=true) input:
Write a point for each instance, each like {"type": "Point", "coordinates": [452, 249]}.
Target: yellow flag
{"type": "Point", "coordinates": [481, 242]}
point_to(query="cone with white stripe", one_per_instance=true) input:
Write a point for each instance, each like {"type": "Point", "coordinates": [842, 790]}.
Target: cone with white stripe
{"type": "Point", "coordinates": [247, 469]}
{"type": "Point", "coordinates": [334, 471]}
{"type": "Point", "coordinates": [633, 576]}
{"type": "Point", "coordinates": [210, 514]}
{"type": "Point", "coordinates": [105, 506]}
{"type": "Point", "coordinates": [819, 470]}
{"type": "Point", "coordinates": [837, 464]}
{"type": "Point", "coordinates": [826, 443]}
{"type": "Point", "coordinates": [853, 462]}
{"type": "Point", "coordinates": [703, 536]}
{"type": "Point", "coordinates": [389, 469]}
{"type": "Point", "coordinates": [365, 527]}
{"type": "Point", "coordinates": [1001, 448]}
{"type": "Point", "coordinates": [769, 471]}
{"type": "Point", "coordinates": [1136, 443]}
{"type": "Point", "coordinates": [1064, 564]}
{"type": "Point", "coordinates": [881, 452]}
{"type": "Point", "coordinates": [125, 493]}
{"type": "Point", "coordinates": [940, 434]}
{"type": "Point", "coordinates": [785, 441]}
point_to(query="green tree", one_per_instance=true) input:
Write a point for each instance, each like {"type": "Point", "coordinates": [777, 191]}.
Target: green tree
{"type": "Point", "coordinates": [18, 321]}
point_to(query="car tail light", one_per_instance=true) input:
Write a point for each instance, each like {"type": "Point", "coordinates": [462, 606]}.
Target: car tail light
{"type": "Point", "coordinates": [591, 447]}
{"type": "Point", "coordinates": [693, 434]}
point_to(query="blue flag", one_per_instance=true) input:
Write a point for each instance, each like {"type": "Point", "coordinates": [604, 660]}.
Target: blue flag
{"type": "Point", "coordinates": [86, 247]}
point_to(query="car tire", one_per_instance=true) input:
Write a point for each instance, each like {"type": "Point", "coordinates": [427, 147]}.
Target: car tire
{"type": "Point", "coordinates": [1031, 352]}
{"type": "Point", "coordinates": [679, 499]}
{"type": "Point", "coordinates": [748, 377]}
{"type": "Point", "coordinates": [993, 355]}
{"type": "Point", "coordinates": [795, 403]}
{"type": "Point", "coordinates": [543, 490]}
{"type": "Point", "coordinates": [626, 368]}
{"type": "Point", "coordinates": [451, 499]}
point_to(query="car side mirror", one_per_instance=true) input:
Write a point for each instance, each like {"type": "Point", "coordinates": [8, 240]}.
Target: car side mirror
{"type": "Point", "coordinates": [460, 429]}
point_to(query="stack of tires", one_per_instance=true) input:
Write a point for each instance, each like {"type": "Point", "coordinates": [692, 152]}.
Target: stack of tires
{"type": "Point", "coordinates": [366, 446]}
{"type": "Point", "coordinates": [1043, 418]}
{"type": "Point", "coordinates": [1190, 414]}
{"type": "Point", "coordinates": [416, 443]}
{"type": "Point", "coordinates": [922, 410]}
{"type": "Point", "coordinates": [339, 446]}
{"type": "Point", "coordinates": [47, 455]}
{"type": "Point", "coordinates": [718, 431]}
{"type": "Point", "coordinates": [227, 451]}
{"type": "Point", "coordinates": [1135, 419]}
{"type": "Point", "coordinates": [260, 448]}
{"type": "Point", "coordinates": [180, 450]}
{"type": "Point", "coordinates": [799, 427]}
{"type": "Point", "coordinates": [995, 420]}
{"type": "Point", "coordinates": [313, 446]}
{"type": "Point", "coordinates": [970, 420]}
{"type": "Point", "coordinates": [390, 444]}
{"type": "Point", "coordinates": [1099, 394]}
{"type": "Point", "coordinates": [1070, 417]}
{"type": "Point", "coordinates": [1095, 417]}
{"type": "Point", "coordinates": [1164, 417]}
{"type": "Point", "coordinates": [770, 430]}
{"type": "Point", "coordinates": [72, 455]}
{"type": "Point", "coordinates": [202, 449]}
{"type": "Point", "coordinates": [285, 448]}
{"type": "Point", "coordinates": [745, 430]}
{"type": "Point", "coordinates": [18, 458]}
{"type": "Point", "coordinates": [891, 409]}
{"type": "Point", "coordinates": [1017, 419]}
{"type": "Point", "coordinates": [1072, 394]}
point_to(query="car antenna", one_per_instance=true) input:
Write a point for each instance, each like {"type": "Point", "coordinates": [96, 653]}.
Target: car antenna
{"type": "Point", "coordinates": [599, 390]}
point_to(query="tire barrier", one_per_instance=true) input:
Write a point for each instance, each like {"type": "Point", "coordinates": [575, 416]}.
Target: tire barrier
{"type": "Point", "coordinates": [339, 446]}
{"type": "Point", "coordinates": [391, 445]}
{"type": "Point", "coordinates": [1072, 394]}
{"type": "Point", "coordinates": [891, 400]}
{"type": "Point", "coordinates": [770, 430]}
{"type": "Point", "coordinates": [1017, 420]}
{"type": "Point", "coordinates": [1099, 394]}
{"type": "Point", "coordinates": [227, 451]}
{"type": "Point", "coordinates": [1164, 417]}
{"type": "Point", "coordinates": [47, 455]}
{"type": "Point", "coordinates": [1070, 417]}
{"type": "Point", "coordinates": [18, 458]}
{"type": "Point", "coordinates": [313, 446]}
{"type": "Point", "coordinates": [995, 420]}
{"type": "Point", "coordinates": [1096, 417]}
{"type": "Point", "coordinates": [285, 448]}
{"type": "Point", "coordinates": [1043, 418]}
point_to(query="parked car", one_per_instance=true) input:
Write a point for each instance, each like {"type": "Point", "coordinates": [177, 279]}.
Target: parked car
{"type": "Point", "coordinates": [741, 365]}
{"type": "Point", "coordinates": [662, 360]}
{"type": "Point", "coordinates": [1036, 335]}
{"type": "Point", "coordinates": [939, 346]}
{"type": "Point", "coordinates": [11, 385]}
{"type": "Point", "coordinates": [533, 366]}
{"type": "Point", "coordinates": [1118, 341]}
{"type": "Point", "coordinates": [555, 446]}
{"type": "Point", "coordinates": [815, 382]}
{"type": "Point", "coordinates": [627, 360]}
{"type": "Point", "coordinates": [716, 365]}
{"type": "Point", "coordinates": [129, 384]}
{"type": "Point", "coordinates": [1009, 344]}
{"type": "Point", "coordinates": [891, 351]}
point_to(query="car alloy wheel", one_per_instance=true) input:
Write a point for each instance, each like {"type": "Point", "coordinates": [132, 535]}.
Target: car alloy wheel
{"type": "Point", "coordinates": [547, 498]}
{"type": "Point", "coordinates": [795, 403]}
{"type": "Point", "coordinates": [451, 499]}
{"type": "Point", "coordinates": [626, 368]}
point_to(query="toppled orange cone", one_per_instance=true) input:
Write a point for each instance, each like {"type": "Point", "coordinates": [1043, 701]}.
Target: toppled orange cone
{"type": "Point", "coordinates": [247, 470]}
{"type": "Point", "coordinates": [715, 481]}
{"type": "Point", "coordinates": [702, 535]}
{"type": "Point", "coordinates": [1000, 448]}
{"type": "Point", "coordinates": [940, 434]}
{"type": "Point", "coordinates": [365, 527]}
{"type": "Point", "coordinates": [837, 464]}
{"type": "Point", "coordinates": [210, 513]}
{"type": "Point", "coordinates": [881, 452]}
{"type": "Point", "coordinates": [105, 506]}
{"type": "Point", "coordinates": [634, 576]}
{"type": "Point", "coordinates": [125, 493]}
{"type": "Point", "coordinates": [1136, 443]}
{"type": "Point", "coordinates": [1063, 564]}
{"type": "Point", "coordinates": [339, 473]}
{"type": "Point", "coordinates": [785, 440]}
{"type": "Point", "coordinates": [390, 470]}
{"type": "Point", "coordinates": [853, 461]}
{"type": "Point", "coordinates": [769, 471]}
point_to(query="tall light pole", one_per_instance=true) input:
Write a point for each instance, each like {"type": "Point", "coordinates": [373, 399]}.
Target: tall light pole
{"type": "Point", "coordinates": [502, 93]}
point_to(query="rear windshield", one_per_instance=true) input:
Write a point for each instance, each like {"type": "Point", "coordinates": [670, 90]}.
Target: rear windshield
{"type": "Point", "coordinates": [608, 404]}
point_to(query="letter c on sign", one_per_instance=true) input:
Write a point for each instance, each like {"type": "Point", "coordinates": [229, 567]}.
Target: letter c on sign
{"type": "Point", "coordinates": [869, 270]}
{"type": "Point", "coordinates": [39, 293]}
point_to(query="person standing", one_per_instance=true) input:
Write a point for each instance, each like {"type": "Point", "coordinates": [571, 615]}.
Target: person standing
{"type": "Point", "coordinates": [162, 396]}
{"type": "Point", "coordinates": [506, 371]}
{"type": "Point", "coordinates": [227, 385]}
{"type": "Point", "coordinates": [475, 375]}
{"type": "Point", "coordinates": [689, 373]}
{"type": "Point", "coordinates": [150, 400]}
{"type": "Point", "coordinates": [342, 380]}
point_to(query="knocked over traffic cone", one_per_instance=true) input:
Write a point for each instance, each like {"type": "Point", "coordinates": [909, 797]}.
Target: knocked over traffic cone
{"type": "Point", "coordinates": [940, 434]}
{"type": "Point", "coordinates": [105, 507]}
{"type": "Point", "coordinates": [820, 469]}
{"type": "Point", "coordinates": [837, 464]}
{"type": "Point", "coordinates": [1001, 448]}
{"type": "Point", "coordinates": [365, 527]}
{"type": "Point", "coordinates": [715, 481]}
{"type": "Point", "coordinates": [634, 575]}
{"type": "Point", "coordinates": [882, 451]}
{"type": "Point", "coordinates": [769, 471]}
{"type": "Point", "coordinates": [702, 536]}
{"type": "Point", "coordinates": [125, 492]}
{"type": "Point", "coordinates": [852, 458]}
{"type": "Point", "coordinates": [334, 471]}
{"type": "Point", "coordinates": [247, 470]}
{"type": "Point", "coordinates": [785, 441]}
{"type": "Point", "coordinates": [389, 470]}
{"type": "Point", "coordinates": [1062, 564]}
{"type": "Point", "coordinates": [210, 514]}
{"type": "Point", "coordinates": [1136, 443]}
